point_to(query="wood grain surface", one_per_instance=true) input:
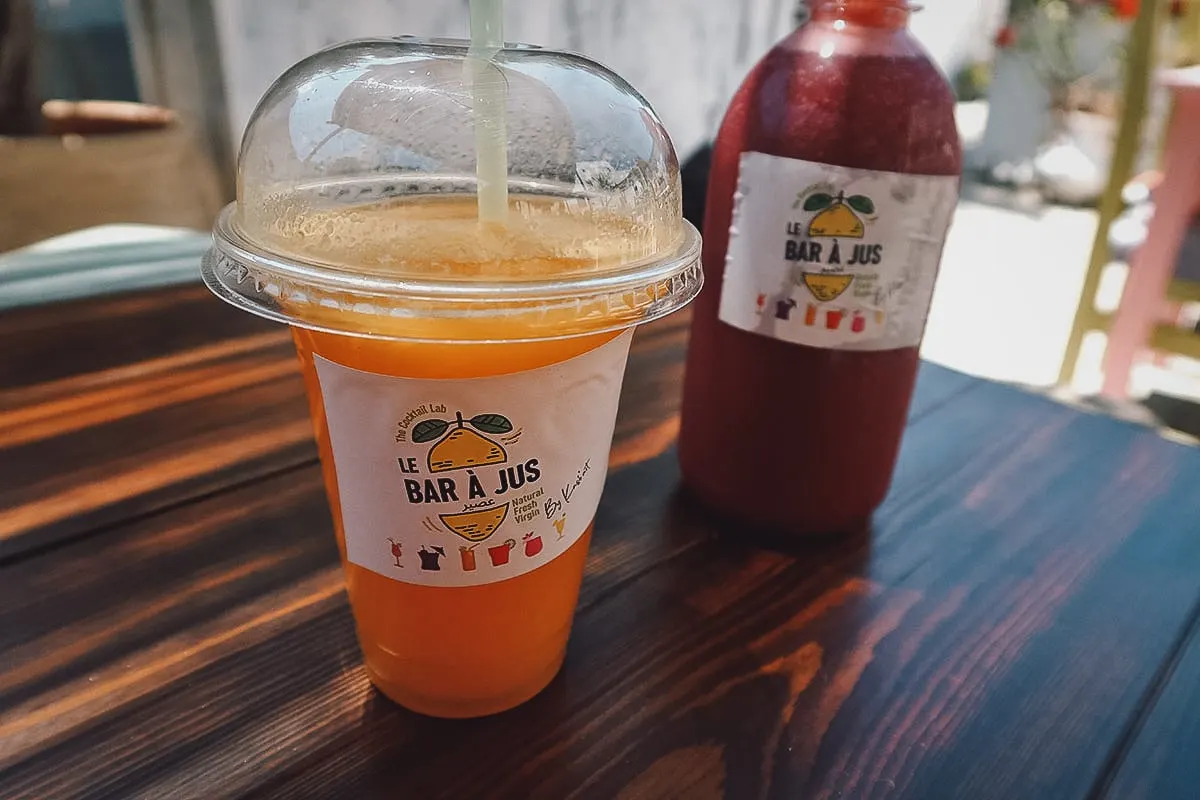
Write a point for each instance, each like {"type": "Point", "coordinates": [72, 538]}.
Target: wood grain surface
{"type": "Point", "coordinates": [1020, 621]}
{"type": "Point", "coordinates": [1164, 744]}
{"type": "Point", "coordinates": [113, 408]}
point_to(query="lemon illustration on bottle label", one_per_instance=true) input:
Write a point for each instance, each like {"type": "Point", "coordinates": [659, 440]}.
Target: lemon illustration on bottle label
{"type": "Point", "coordinates": [826, 287]}
{"type": "Point", "coordinates": [837, 218]}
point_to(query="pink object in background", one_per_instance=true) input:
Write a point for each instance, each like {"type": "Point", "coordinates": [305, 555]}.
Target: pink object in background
{"type": "Point", "coordinates": [1176, 201]}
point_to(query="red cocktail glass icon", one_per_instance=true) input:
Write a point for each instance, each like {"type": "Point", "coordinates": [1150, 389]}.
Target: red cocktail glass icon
{"type": "Point", "coordinates": [499, 553]}
{"type": "Point", "coordinates": [533, 545]}
{"type": "Point", "coordinates": [833, 318]}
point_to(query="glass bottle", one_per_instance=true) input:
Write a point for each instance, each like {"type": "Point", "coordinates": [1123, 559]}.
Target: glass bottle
{"type": "Point", "coordinates": [834, 178]}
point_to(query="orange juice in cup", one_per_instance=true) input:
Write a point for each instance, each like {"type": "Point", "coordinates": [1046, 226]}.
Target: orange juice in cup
{"type": "Point", "coordinates": [463, 374]}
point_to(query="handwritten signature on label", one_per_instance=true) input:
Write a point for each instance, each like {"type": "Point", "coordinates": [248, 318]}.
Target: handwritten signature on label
{"type": "Point", "coordinates": [553, 505]}
{"type": "Point", "coordinates": [570, 488]}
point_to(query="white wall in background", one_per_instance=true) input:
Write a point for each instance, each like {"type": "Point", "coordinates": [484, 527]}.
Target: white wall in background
{"type": "Point", "coordinates": [958, 32]}
{"type": "Point", "coordinates": [686, 56]}
{"type": "Point", "coordinates": [213, 59]}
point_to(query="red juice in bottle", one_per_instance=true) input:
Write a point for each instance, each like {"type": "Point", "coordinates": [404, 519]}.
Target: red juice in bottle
{"type": "Point", "coordinates": [834, 178]}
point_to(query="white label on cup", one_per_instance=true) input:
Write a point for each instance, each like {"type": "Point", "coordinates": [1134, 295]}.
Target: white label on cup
{"type": "Point", "coordinates": [833, 257]}
{"type": "Point", "coordinates": [467, 482]}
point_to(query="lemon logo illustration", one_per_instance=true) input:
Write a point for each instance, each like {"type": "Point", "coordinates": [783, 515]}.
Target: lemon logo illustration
{"type": "Point", "coordinates": [459, 447]}
{"type": "Point", "coordinates": [475, 526]}
{"type": "Point", "coordinates": [826, 287]}
{"type": "Point", "coordinates": [837, 217]}
{"type": "Point", "coordinates": [462, 447]}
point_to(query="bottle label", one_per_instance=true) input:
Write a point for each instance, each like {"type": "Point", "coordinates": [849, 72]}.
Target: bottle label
{"type": "Point", "coordinates": [466, 482]}
{"type": "Point", "coordinates": [834, 257]}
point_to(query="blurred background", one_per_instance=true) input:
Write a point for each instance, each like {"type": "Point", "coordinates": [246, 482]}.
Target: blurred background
{"type": "Point", "coordinates": [120, 120]}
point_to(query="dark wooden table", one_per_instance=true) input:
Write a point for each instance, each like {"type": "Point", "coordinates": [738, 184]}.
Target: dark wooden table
{"type": "Point", "coordinates": [1019, 624]}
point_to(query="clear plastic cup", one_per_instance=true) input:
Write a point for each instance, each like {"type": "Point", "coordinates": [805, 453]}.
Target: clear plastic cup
{"type": "Point", "coordinates": [463, 376]}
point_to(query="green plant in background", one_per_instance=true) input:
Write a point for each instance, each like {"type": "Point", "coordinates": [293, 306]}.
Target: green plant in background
{"type": "Point", "coordinates": [1048, 31]}
{"type": "Point", "coordinates": [1078, 51]}
{"type": "Point", "coordinates": [973, 81]}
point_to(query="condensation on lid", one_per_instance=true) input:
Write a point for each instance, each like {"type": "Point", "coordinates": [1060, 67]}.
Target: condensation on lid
{"type": "Point", "coordinates": [356, 208]}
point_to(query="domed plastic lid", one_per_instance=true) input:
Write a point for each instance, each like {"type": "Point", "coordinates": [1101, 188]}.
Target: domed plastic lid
{"type": "Point", "coordinates": [356, 202]}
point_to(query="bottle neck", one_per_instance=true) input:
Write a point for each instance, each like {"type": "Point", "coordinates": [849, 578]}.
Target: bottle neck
{"type": "Point", "coordinates": [891, 14]}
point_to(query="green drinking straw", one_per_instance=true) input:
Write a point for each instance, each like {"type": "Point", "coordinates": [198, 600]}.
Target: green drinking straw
{"type": "Point", "coordinates": [491, 129]}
